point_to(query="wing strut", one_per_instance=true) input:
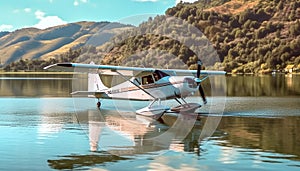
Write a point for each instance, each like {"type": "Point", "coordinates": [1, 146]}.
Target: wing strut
{"type": "Point", "coordinates": [135, 84]}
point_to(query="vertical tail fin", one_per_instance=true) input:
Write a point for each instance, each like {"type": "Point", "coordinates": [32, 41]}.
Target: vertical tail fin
{"type": "Point", "coordinates": [94, 82]}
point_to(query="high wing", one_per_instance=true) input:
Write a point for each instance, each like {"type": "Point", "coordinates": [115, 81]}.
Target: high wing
{"type": "Point", "coordinates": [126, 71]}
{"type": "Point", "coordinates": [202, 72]}
{"type": "Point", "coordinates": [101, 69]}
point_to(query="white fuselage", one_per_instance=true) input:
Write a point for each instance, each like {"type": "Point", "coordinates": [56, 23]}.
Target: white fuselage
{"type": "Point", "coordinates": [164, 88]}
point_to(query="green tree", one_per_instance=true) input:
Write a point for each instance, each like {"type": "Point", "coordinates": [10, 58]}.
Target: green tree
{"type": "Point", "coordinates": [280, 5]}
{"type": "Point", "coordinates": [295, 29]}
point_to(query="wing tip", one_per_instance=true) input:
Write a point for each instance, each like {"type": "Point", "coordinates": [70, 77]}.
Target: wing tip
{"type": "Point", "coordinates": [49, 66]}
{"type": "Point", "coordinates": [58, 65]}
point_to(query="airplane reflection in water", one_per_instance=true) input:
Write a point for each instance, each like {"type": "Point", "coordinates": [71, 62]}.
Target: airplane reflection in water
{"type": "Point", "coordinates": [127, 133]}
{"type": "Point", "coordinates": [114, 137]}
{"type": "Point", "coordinates": [124, 137]}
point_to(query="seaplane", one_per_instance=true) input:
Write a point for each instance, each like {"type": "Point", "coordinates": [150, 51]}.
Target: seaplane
{"type": "Point", "coordinates": [143, 84]}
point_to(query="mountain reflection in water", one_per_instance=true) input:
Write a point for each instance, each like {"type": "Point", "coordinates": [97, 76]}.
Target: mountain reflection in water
{"type": "Point", "coordinates": [273, 134]}
{"type": "Point", "coordinates": [60, 85]}
{"type": "Point", "coordinates": [126, 136]}
{"type": "Point", "coordinates": [259, 129]}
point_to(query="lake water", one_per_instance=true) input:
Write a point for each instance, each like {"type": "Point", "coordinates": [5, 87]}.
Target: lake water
{"type": "Point", "coordinates": [43, 128]}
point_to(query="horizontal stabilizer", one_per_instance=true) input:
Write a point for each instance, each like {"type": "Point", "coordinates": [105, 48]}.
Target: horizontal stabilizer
{"type": "Point", "coordinates": [96, 94]}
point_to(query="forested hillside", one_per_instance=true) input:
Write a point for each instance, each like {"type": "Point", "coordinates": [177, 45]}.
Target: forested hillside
{"type": "Point", "coordinates": [264, 37]}
{"type": "Point", "coordinates": [249, 36]}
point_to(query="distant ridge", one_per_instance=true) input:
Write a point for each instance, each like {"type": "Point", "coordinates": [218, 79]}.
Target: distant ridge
{"type": "Point", "coordinates": [247, 36]}
{"type": "Point", "coordinates": [33, 43]}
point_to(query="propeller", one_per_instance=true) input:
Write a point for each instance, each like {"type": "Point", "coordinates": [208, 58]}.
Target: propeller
{"type": "Point", "coordinates": [198, 80]}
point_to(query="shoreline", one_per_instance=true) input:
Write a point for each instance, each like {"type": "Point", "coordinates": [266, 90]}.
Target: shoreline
{"type": "Point", "coordinates": [37, 73]}
{"type": "Point", "coordinates": [71, 73]}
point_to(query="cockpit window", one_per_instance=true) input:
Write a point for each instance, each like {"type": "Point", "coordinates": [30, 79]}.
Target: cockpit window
{"type": "Point", "coordinates": [159, 74]}
{"type": "Point", "coordinates": [156, 76]}
{"type": "Point", "coordinates": [137, 81]}
{"type": "Point", "coordinates": [147, 79]}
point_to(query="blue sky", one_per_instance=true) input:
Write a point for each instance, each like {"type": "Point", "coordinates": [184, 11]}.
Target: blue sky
{"type": "Point", "coordinates": [16, 14]}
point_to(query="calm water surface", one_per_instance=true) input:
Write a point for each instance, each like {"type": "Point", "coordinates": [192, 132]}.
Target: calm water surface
{"type": "Point", "coordinates": [43, 128]}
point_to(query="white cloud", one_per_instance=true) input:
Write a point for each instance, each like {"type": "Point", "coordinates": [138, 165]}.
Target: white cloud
{"type": "Point", "coordinates": [27, 10]}
{"type": "Point", "coordinates": [190, 1]}
{"type": "Point", "coordinates": [39, 14]}
{"type": "Point", "coordinates": [76, 2]}
{"type": "Point", "coordinates": [47, 21]}
{"type": "Point", "coordinates": [6, 27]}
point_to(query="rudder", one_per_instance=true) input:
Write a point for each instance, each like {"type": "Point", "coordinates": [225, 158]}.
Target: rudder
{"type": "Point", "coordinates": [94, 82]}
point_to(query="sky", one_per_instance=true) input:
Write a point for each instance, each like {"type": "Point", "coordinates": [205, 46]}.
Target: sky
{"type": "Point", "coordinates": [16, 14]}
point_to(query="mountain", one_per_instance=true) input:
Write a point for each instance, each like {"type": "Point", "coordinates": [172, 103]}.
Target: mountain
{"type": "Point", "coordinates": [33, 43]}
{"type": "Point", "coordinates": [249, 36]}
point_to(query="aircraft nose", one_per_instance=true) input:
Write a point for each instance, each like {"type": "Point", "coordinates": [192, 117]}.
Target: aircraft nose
{"type": "Point", "coordinates": [190, 82]}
